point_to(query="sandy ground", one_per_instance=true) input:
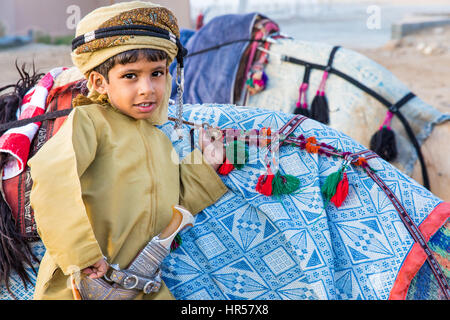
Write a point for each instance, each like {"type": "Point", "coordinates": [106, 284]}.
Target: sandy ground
{"type": "Point", "coordinates": [421, 61]}
{"type": "Point", "coordinates": [45, 57]}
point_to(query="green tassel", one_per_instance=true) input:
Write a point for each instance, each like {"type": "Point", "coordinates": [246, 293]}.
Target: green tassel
{"type": "Point", "coordinates": [284, 184]}
{"type": "Point", "coordinates": [237, 153]}
{"type": "Point", "coordinates": [329, 187]}
{"type": "Point", "coordinates": [177, 241]}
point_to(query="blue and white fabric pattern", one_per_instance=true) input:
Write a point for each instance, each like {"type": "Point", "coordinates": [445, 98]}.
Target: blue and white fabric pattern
{"type": "Point", "coordinates": [250, 246]}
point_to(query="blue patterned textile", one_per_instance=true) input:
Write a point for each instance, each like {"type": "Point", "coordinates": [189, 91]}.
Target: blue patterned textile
{"type": "Point", "coordinates": [250, 246]}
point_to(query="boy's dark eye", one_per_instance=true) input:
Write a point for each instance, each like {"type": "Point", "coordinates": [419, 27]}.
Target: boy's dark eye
{"type": "Point", "coordinates": [129, 76]}
{"type": "Point", "coordinates": [157, 73]}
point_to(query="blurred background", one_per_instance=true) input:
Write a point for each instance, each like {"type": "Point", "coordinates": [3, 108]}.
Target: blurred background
{"type": "Point", "coordinates": [410, 38]}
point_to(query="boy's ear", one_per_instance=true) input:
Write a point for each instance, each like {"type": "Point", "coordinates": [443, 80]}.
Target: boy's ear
{"type": "Point", "coordinates": [98, 82]}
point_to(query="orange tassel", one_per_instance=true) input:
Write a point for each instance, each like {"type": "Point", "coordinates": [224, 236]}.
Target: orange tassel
{"type": "Point", "coordinates": [361, 161]}
{"type": "Point", "coordinates": [312, 140]}
{"type": "Point", "coordinates": [226, 167]}
{"type": "Point", "coordinates": [264, 185]}
{"type": "Point", "coordinates": [261, 136]}
{"type": "Point", "coordinates": [264, 133]}
{"type": "Point", "coordinates": [312, 149]}
{"type": "Point", "coordinates": [341, 192]}
{"type": "Point", "coordinates": [311, 146]}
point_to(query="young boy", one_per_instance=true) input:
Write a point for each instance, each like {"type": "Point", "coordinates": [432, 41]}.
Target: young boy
{"type": "Point", "coordinates": [104, 185]}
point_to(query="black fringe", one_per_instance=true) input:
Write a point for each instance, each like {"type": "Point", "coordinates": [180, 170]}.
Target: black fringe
{"type": "Point", "coordinates": [319, 109]}
{"type": "Point", "coordinates": [302, 111]}
{"type": "Point", "coordinates": [15, 251]}
{"type": "Point", "coordinates": [383, 143]}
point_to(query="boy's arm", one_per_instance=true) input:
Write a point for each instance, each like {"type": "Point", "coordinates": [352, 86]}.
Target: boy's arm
{"type": "Point", "coordinates": [200, 184]}
{"type": "Point", "coordinates": [56, 198]}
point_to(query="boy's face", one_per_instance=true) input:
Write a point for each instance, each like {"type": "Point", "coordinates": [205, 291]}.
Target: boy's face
{"type": "Point", "coordinates": [136, 88]}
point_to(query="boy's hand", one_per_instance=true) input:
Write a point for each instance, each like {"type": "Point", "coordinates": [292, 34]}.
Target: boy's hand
{"type": "Point", "coordinates": [213, 151]}
{"type": "Point", "coordinates": [97, 270]}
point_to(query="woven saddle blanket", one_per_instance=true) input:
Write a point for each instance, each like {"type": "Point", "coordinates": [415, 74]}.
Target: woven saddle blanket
{"type": "Point", "coordinates": [251, 246]}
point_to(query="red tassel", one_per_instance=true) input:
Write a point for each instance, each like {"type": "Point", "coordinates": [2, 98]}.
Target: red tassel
{"type": "Point", "coordinates": [200, 21]}
{"type": "Point", "coordinates": [226, 167]}
{"type": "Point", "coordinates": [264, 185]}
{"type": "Point", "coordinates": [341, 191]}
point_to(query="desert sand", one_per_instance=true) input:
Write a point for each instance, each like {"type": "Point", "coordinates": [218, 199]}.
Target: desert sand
{"type": "Point", "coordinates": [422, 62]}
{"type": "Point", "coordinates": [45, 57]}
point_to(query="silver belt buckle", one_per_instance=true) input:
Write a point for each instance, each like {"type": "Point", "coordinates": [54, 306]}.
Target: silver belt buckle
{"type": "Point", "coordinates": [126, 281]}
{"type": "Point", "coordinates": [149, 287]}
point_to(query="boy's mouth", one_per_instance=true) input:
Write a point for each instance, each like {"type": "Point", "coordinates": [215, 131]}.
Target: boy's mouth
{"type": "Point", "coordinates": [146, 106]}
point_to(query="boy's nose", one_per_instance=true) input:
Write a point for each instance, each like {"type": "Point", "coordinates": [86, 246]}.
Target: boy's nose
{"type": "Point", "coordinates": [146, 86]}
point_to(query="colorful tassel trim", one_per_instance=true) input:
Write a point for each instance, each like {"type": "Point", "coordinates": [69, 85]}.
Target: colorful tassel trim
{"type": "Point", "coordinates": [177, 241]}
{"type": "Point", "coordinates": [264, 137]}
{"type": "Point", "coordinates": [361, 161]}
{"type": "Point", "coordinates": [311, 145]}
{"type": "Point", "coordinates": [256, 77]}
{"type": "Point", "coordinates": [284, 184]}
{"type": "Point", "coordinates": [319, 105]}
{"type": "Point", "coordinates": [225, 168]}
{"type": "Point", "coordinates": [276, 185]}
{"type": "Point", "coordinates": [335, 188]}
{"type": "Point", "coordinates": [383, 141]}
{"type": "Point", "coordinates": [237, 156]}
{"type": "Point", "coordinates": [200, 21]}
{"type": "Point", "coordinates": [266, 131]}
{"type": "Point", "coordinates": [341, 191]}
{"type": "Point", "coordinates": [264, 185]}
{"type": "Point", "coordinates": [302, 103]}
{"type": "Point", "coordinates": [256, 81]}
